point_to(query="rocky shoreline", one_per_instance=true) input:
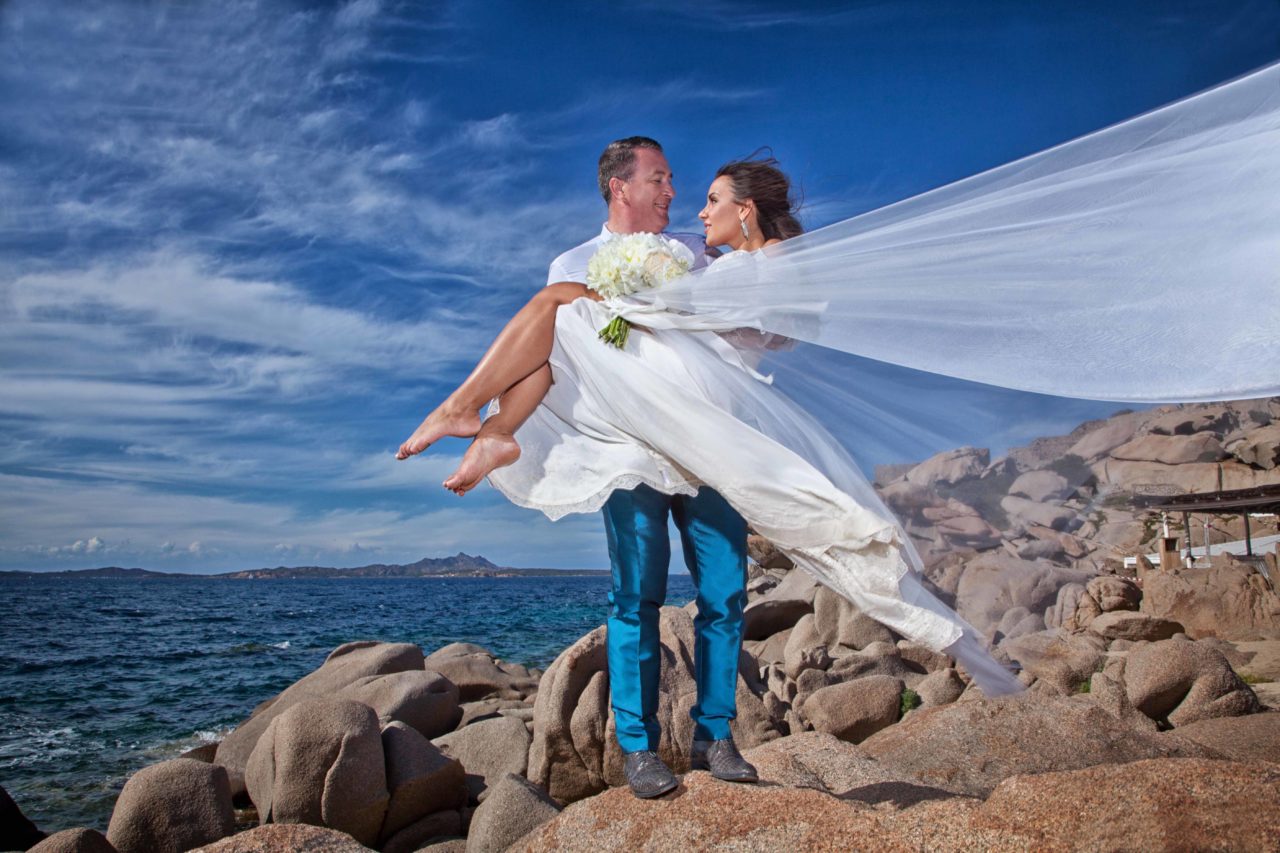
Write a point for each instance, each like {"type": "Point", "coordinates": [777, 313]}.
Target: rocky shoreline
{"type": "Point", "coordinates": [382, 748]}
{"type": "Point", "coordinates": [1150, 719]}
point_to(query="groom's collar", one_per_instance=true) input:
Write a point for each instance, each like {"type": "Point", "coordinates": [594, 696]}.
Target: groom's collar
{"type": "Point", "coordinates": [605, 233]}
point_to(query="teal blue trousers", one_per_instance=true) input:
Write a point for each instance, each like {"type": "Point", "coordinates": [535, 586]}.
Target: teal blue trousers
{"type": "Point", "coordinates": [714, 538]}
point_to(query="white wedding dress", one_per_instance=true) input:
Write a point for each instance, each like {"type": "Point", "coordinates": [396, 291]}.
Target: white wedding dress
{"type": "Point", "coordinates": [677, 410]}
{"type": "Point", "coordinates": [1138, 263]}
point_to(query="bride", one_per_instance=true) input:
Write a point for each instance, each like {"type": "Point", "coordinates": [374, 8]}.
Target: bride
{"type": "Point", "coordinates": [678, 409]}
{"type": "Point", "coordinates": [1133, 264]}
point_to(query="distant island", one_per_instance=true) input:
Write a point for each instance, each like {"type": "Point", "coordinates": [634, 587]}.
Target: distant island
{"type": "Point", "coordinates": [458, 566]}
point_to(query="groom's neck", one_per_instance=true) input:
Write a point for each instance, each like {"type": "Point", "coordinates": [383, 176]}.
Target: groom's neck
{"type": "Point", "coordinates": [622, 222]}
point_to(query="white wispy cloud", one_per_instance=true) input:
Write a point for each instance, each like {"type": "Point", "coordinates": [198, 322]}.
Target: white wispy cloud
{"type": "Point", "coordinates": [724, 15]}
{"type": "Point", "coordinates": [165, 374]}
{"type": "Point", "coordinates": [263, 119]}
{"type": "Point", "coordinates": [173, 293]}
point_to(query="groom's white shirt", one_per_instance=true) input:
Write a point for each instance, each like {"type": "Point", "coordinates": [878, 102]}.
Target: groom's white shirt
{"type": "Point", "coordinates": [572, 265]}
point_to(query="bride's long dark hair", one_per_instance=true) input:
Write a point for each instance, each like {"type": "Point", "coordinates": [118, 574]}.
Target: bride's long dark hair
{"type": "Point", "coordinates": [760, 180]}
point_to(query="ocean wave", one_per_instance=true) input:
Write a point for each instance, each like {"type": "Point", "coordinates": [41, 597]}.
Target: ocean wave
{"type": "Point", "coordinates": [173, 747]}
{"type": "Point", "coordinates": [296, 614]}
{"type": "Point", "coordinates": [253, 647]}
{"type": "Point", "coordinates": [32, 742]}
{"type": "Point", "coordinates": [128, 612]}
{"type": "Point", "coordinates": [27, 666]}
{"type": "Point", "coordinates": [36, 737]}
{"type": "Point", "coordinates": [212, 735]}
{"type": "Point", "coordinates": [37, 758]}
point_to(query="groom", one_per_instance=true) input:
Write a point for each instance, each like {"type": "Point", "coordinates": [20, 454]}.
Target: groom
{"type": "Point", "coordinates": [635, 181]}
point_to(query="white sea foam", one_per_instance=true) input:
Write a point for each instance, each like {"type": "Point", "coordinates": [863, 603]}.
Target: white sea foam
{"type": "Point", "coordinates": [283, 645]}
{"type": "Point", "coordinates": [38, 745]}
{"type": "Point", "coordinates": [212, 735]}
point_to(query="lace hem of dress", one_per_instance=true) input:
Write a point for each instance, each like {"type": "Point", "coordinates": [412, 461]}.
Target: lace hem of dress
{"type": "Point", "coordinates": [597, 499]}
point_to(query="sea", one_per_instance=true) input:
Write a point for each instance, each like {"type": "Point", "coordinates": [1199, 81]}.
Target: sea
{"type": "Point", "coordinates": [101, 677]}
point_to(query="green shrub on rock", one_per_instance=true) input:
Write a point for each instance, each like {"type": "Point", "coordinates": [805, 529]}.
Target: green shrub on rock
{"type": "Point", "coordinates": [910, 701]}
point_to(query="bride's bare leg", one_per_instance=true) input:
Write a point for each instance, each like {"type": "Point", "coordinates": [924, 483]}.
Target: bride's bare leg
{"type": "Point", "coordinates": [495, 445]}
{"type": "Point", "coordinates": [520, 348]}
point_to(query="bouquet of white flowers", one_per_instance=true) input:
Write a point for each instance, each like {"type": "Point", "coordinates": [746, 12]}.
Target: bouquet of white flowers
{"type": "Point", "coordinates": [630, 262]}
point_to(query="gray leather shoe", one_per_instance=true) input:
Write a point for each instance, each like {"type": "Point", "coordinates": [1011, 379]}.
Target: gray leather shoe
{"type": "Point", "coordinates": [722, 758]}
{"type": "Point", "coordinates": [647, 775]}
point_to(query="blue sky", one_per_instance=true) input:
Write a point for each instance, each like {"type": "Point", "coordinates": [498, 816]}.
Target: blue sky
{"type": "Point", "coordinates": [244, 246]}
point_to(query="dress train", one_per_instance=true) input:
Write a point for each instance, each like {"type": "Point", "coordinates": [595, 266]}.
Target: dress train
{"type": "Point", "coordinates": [677, 410]}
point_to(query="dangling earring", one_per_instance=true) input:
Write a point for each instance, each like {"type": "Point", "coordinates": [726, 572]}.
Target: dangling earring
{"type": "Point", "coordinates": [743, 223]}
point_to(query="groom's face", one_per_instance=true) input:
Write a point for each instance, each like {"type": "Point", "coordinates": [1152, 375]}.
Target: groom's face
{"type": "Point", "coordinates": [650, 191]}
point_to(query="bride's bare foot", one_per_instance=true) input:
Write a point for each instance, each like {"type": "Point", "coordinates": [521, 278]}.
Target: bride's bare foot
{"type": "Point", "coordinates": [438, 424]}
{"type": "Point", "coordinates": [485, 454]}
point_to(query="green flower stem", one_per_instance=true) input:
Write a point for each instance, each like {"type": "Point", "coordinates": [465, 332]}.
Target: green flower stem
{"type": "Point", "coordinates": [616, 332]}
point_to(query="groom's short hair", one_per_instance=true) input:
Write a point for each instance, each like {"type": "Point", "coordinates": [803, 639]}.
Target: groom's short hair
{"type": "Point", "coordinates": [619, 160]}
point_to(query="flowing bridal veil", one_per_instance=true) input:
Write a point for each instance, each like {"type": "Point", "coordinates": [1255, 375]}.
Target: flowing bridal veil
{"type": "Point", "coordinates": [1139, 263]}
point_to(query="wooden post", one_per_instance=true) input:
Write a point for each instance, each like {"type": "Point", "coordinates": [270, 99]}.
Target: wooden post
{"type": "Point", "coordinates": [1248, 536]}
